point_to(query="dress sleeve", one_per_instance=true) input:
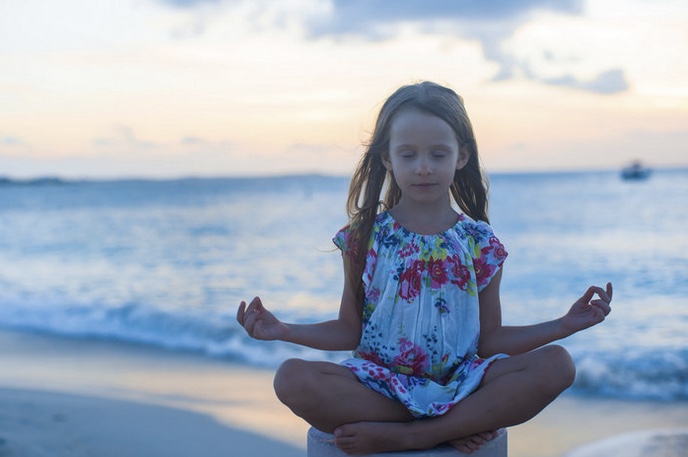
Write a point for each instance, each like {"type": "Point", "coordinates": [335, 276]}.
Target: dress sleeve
{"type": "Point", "coordinates": [490, 255]}
{"type": "Point", "coordinates": [341, 239]}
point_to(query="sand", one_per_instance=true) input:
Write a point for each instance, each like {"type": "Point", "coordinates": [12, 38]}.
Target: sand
{"type": "Point", "coordinates": [62, 397]}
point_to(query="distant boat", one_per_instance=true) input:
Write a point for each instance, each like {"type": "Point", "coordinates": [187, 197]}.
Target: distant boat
{"type": "Point", "coordinates": [635, 171]}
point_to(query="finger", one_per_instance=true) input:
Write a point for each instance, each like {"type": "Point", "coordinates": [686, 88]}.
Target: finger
{"type": "Point", "coordinates": [252, 322]}
{"type": "Point", "coordinates": [610, 290]}
{"type": "Point", "coordinates": [241, 312]}
{"type": "Point", "coordinates": [603, 300]}
{"type": "Point", "coordinates": [600, 293]}
{"type": "Point", "coordinates": [255, 306]}
{"type": "Point", "coordinates": [587, 296]}
{"type": "Point", "coordinates": [253, 313]}
{"type": "Point", "coordinates": [605, 294]}
{"type": "Point", "coordinates": [602, 305]}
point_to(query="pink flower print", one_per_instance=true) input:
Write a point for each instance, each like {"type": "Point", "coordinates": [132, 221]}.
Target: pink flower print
{"type": "Point", "coordinates": [411, 360]}
{"type": "Point", "coordinates": [498, 250]}
{"type": "Point", "coordinates": [374, 371]}
{"type": "Point", "coordinates": [441, 408]}
{"type": "Point", "coordinates": [409, 250]}
{"type": "Point", "coordinates": [373, 294]}
{"type": "Point", "coordinates": [483, 270]}
{"type": "Point", "coordinates": [371, 256]}
{"type": "Point", "coordinates": [352, 247]}
{"type": "Point", "coordinates": [397, 385]}
{"type": "Point", "coordinates": [460, 273]}
{"type": "Point", "coordinates": [476, 362]}
{"type": "Point", "coordinates": [410, 279]}
{"type": "Point", "coordinates": [438, 272]}
{"type": "Point", "coordinates": [371, 356]}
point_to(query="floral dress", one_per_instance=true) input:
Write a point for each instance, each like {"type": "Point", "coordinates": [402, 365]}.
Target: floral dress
{"type": "Point", "coordinates": [421, 313]}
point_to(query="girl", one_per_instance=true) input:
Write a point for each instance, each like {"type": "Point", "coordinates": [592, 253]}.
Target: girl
{"type": "Point", "coordinates": [432, 362]}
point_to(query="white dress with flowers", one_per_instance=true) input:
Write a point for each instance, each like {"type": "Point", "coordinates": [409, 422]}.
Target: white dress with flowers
{"type": "Point", "coordinates": [421, 313]}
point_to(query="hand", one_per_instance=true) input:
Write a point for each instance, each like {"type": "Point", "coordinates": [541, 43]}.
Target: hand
{"type": "Point", "coordinates": [587, 312]}
{"type": "Point", "coordinates": [260, 323]}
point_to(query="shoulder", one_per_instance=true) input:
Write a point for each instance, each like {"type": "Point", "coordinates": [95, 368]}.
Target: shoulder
{"type": "Point", "coordinates": [479, 231]}
{"type": "Point", "coordinates": [480, 237]}
{"type": "Point", "coordinates": [345, 238]}
{"type": "Point", "coordinates": [487, 251]}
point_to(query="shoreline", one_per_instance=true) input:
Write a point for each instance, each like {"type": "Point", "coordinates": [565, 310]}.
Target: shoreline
{"type": "Point", "coordinates": [96, 391]}
{"type": "Point", "coordinates": [37, 423]}
{"type": "Point", "coordinates": [236, 396]}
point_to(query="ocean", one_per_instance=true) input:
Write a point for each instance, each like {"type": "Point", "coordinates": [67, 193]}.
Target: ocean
{"type": "Point", "coordinates": [166, 263]}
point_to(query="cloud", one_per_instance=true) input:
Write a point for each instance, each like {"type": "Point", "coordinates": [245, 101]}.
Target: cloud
{"type": "Point", "coordinates": [366, 18]}
{"type": "Point", "coordinates": [187, 3]}
{"type": "Point", "coordinates": [379, 19]}
{"type": "Point", "coordinates": [192, 140]}
{"type": "Point", "coordinates": [10, 141]}
{"type": "Point", "coordinates": [608, 82]}
{"type": "Point", "coordinates": [122, 137]}
{"type": "Point", "coordinates": [490, 23]}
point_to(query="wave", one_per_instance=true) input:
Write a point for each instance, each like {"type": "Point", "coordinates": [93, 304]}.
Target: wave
{"type": "Point", "coordinates": [203, 331]}
{"type": "Point", "coordinates": [637, 444]}
{"type": "Point", "coordinates": [639, 374]}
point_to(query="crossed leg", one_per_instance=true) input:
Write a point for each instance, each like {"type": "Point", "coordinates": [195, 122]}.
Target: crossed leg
{"type": "Point", "coordinates": [330, 398]}
{"type": "Point", "coordinates": [327, 395]}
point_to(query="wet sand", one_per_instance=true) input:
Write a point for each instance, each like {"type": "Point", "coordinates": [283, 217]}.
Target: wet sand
{"type": "Point", "coordinates": [87, 397]}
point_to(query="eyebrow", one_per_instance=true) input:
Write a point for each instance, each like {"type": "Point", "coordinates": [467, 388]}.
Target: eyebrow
{"type": "Point", "coordinates": [413, 145]}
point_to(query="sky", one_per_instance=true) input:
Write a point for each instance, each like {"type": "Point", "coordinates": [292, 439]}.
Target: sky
{"type": "Point", "coordinates": [175, 88]}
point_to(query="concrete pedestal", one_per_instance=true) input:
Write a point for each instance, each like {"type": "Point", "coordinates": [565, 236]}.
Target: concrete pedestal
{"type": "Point", "coordinates": [321, 444]}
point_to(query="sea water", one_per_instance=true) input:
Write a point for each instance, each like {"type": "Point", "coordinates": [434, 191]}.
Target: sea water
{"type": "Point", "coordinates": [166, 263]}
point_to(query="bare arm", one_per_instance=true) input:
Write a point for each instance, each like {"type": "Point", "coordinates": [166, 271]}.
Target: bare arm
{"type": "Point", "coordinates": [495, 338]}
{"type": "Point", "coordinates": [338, 334]}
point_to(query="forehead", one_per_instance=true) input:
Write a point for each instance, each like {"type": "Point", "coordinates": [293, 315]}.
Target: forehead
{"type": "Point", "coordinates": [415, 126]}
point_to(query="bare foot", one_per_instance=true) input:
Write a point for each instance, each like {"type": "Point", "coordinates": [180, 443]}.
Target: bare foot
{"type": "Point", "coordinates": [474, 442]}
{"type": "Point", "coordinates": [372, 437]}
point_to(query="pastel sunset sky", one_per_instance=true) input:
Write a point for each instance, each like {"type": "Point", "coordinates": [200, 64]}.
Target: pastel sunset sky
{"type": "Point", "coordinates": [171, 88]}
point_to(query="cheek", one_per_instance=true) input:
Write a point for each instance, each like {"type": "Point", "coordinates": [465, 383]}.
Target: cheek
{"type": "Point", "coordinates": [400, 169]}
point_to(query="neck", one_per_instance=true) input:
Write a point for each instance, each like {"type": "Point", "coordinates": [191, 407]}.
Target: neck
{"type": "Point", "coordinates": [429, 218]}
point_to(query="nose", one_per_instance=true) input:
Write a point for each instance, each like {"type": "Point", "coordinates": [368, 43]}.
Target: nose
{"type": "Point", "coordinates": [423, 166]}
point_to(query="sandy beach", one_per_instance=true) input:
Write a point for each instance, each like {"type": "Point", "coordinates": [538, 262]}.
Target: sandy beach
{"type": "Point", "coordinates": [63, 397]}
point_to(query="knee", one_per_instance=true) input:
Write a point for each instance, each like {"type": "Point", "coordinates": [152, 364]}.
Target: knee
{"type": "Point", "coordinates": [560, 369]}
{"type": "Point", "coordinates": [291, 380]}
{"type": "Point", "coordinates": [286, 377]}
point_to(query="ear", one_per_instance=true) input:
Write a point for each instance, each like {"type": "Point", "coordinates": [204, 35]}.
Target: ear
{"type": "Point", "coordinates": [386, 162]}
{"type": "Point", "coordinates": [464, 157]}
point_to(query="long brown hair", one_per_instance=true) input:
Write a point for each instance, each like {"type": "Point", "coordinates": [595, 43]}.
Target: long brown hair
{"type": "Point", "coordinates": [469, 188]}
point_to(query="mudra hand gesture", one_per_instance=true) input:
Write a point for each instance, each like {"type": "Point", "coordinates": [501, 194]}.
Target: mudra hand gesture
{"type": "Point", "coordinates": [260, 323]}
{"type": "Point", "coordinates": [587, 312]}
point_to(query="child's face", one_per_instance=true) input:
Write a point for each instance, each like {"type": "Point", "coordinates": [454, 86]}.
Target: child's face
{"type": "Point", "coordinates": [424, 153]}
